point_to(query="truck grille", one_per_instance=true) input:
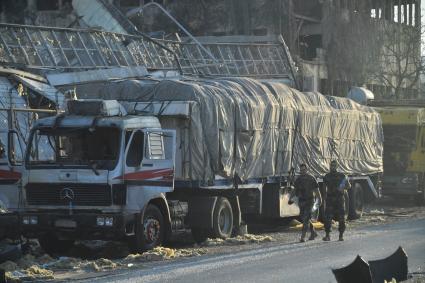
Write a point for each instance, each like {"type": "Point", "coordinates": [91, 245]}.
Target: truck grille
{"type": "Point", "coordinates": [82, 194]}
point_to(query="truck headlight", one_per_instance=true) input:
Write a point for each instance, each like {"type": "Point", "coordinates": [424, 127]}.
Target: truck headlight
{"type": "Point", "coordinates": [33, 220]}
{"type": "Point", "coordinates": [26, 220]}
{"type": "Point", "coordinates": [30, 220]}
{"type": "Point", "coordinates": [100, 221]}
{"type": "Point", "coordinates": [109, 221]}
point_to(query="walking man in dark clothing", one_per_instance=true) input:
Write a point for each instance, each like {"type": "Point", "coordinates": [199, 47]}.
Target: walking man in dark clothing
{"type": "Point", "coordinates": [306, 189]}
{"type": "Point", "coordinates": [336, 184]}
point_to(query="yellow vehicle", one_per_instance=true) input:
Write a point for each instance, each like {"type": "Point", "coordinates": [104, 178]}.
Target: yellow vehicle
{"type": "Point", "coordinates": [404, 150]}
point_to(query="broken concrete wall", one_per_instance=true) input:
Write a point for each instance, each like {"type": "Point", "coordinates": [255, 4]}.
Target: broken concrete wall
{"type": "Point", "coordinates": [219, 17]}
{"type": "Point", "coordinates": [100, 13]}
{"type": "Point", "coordinates": [31, 12]}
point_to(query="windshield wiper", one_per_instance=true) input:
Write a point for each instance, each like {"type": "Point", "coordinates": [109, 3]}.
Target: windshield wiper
{"type": "Point", "coordinates": [93, 166]}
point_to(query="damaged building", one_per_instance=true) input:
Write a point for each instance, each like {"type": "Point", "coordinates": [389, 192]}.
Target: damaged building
{"type": "Point", "coordinates": [337, 44]}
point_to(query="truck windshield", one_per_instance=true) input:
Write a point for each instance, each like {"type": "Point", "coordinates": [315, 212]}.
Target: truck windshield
{"type": "Point", "coordinates": [95, 147]}
{"type": "Point", "coordinates": [400, 141]}
{"type": "Point", "coordinates": [400, 138]}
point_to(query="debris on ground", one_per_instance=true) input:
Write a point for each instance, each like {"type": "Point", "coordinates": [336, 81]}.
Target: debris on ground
{"type": "Point", "coordinates": [161, 253]}
{"type": "Point", "coordinates": [238, 240]}
{"type": "Point", "coordinates": [376, 212]}
{"type": "Point", "coordinates": [44, 267]}
{"type": "Point", "coordinates": [32, 273]}
{"type": "Point", "coordinates": [317, 225]}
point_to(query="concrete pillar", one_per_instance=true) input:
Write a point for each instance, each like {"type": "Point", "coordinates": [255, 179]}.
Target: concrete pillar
{"type": "Point", "coordinates": [405, 12]}
{"type": "Point", "coordinates": [417, 12]}
{"type": "Point", "coordinates": [399, 11]}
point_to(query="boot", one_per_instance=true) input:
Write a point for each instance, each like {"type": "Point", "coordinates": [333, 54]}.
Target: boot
{"type": "Point", "coordinates": [341, 238]}
{"type": "Point", "coordinates": [313, 235]}
{"type": "Point", "coordinates": [327, 238]}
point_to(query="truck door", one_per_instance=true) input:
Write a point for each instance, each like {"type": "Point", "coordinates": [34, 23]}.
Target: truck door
{"type": "Point", "coordinates": [11, 157]}
{"type": "Point", "coordinates": [150, 159]}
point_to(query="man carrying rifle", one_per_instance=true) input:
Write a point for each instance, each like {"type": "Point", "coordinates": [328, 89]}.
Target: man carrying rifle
{"type": "Point", "coordinates": [336, 184]}
{"type": "Point", "coordinates": [306, 189]}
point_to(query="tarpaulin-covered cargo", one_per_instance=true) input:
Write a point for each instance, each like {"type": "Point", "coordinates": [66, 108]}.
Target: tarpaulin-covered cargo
{"type": "Point", "coordinates": [255, 128]}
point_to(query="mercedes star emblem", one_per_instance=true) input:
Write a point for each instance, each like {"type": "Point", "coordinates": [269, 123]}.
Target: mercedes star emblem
{"type": "Point", "coordinates": [67, 194]}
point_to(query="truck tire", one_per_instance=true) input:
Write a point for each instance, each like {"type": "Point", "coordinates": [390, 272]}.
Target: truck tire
{"type": "Point", "coordinates": [356, 202]}
{"type": "Point", "coordinates": [222, 219]}
{"type": "Point", "coordinates": [149, 231]}
{"type": "Point", "coordinates": [52, 245]}
{"type": "Point", "coordinates": [199, 234]}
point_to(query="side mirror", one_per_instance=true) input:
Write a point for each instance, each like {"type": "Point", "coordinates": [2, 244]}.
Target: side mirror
{"type": "Point", "coordinates": [15, 152]}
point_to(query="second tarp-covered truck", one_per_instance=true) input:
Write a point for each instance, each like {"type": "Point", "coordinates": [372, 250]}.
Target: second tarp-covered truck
{"type": "Point", "coordinates": [404, 151]}
{"type": "Point", "coordinates": [161, 156]}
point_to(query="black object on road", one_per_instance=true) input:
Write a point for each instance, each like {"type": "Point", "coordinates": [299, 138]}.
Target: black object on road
{"type": "Point", "coordinates": [394, 266]}
{"type": "Point", "coordinates": [357, 271]}
{"type": "Point", "coordinates": [375, 271]}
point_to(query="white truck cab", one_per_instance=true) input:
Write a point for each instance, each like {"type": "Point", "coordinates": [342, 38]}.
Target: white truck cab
{"type": "Point", "coordinates": [103, 175]}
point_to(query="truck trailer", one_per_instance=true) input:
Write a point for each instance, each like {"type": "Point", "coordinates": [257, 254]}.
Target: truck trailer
{"type": "Point", "coordinates": [140, 159]}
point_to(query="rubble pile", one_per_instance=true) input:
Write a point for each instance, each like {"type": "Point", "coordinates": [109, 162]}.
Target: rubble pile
{"type": "Point", "coordinates": [239, 240]}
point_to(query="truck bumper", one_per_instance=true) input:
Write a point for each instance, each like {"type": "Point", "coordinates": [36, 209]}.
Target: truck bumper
{"type": "Point", "coordinates": [9, 225]}
{"type": "Point", "coordinates": [78, 226]}
{"type": "Point", "coordinates": [403, 185]}
{"type": "Point", "coordinates": [397, 191]}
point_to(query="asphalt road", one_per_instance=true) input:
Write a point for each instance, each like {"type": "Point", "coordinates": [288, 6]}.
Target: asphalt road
{"type": "Point", "coordinates": [297, 262]}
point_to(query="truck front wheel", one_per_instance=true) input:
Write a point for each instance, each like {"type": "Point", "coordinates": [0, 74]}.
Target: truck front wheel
{"type": "Point", "coordinates": [222, 219]}
{"type": "Point", "coordinates": [149, 231]}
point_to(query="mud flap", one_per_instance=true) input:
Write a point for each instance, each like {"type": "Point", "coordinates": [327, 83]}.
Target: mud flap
{"type": "Point", "coordinates": [200, 212]}
{"type": "Point", "coordinates": [394, 266]}
{"type": "Point", "coordinates": [357, 271]}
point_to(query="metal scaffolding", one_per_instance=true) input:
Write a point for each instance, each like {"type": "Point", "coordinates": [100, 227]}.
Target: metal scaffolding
{"type": "Point", "coordinates": [61, 48]}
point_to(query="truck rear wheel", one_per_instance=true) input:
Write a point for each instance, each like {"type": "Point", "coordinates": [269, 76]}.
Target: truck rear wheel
{"type": "Point", "coordinates": [52, 245]}
{"type": "Point", "coordinates": [149, 231]}
{"type": "Point", "coordinates": [356, 202]}
{"type": "Point", "coordinates": [222, 219]}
